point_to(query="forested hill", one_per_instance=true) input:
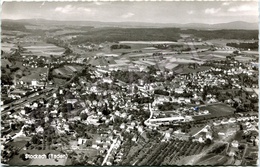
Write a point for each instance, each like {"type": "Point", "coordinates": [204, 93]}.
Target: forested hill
{"type": "Point", "coordinates": [13, 26]}
{"type": "Point", "coordinates": [223, 34]}
{"type": "Point", "coordinates": [115, 34]}
{"type": "Point", "coordinates": [160, 34]}
{"type": "Point", "coordinates": [129, 34]}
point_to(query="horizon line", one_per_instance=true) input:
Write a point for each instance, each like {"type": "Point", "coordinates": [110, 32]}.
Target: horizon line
{"type": "Point", "coordinates": [126, 21]}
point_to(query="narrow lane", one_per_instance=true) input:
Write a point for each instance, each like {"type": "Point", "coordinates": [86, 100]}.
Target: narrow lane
{"type": "Point", "coordinates": [109, 151]}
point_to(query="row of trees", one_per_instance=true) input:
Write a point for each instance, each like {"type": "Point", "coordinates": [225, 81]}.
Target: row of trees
{"type": "Point", "coordinates": [142, 100]}
{"type": "Point", "coordinates": [226, 34]}
{"type": "Point", "coordinates": [166, 106]}
{"type": "Point", "coordinates": [120, 47]}
{"type": "Point", "coordinates": [127, 76]}
{"type": "Point", "coordinates": [244, 45]}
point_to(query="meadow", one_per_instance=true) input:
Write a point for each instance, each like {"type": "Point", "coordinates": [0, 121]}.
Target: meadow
{"type": "Point", "coordinates": [216, 110]}
{"type": "Point", "coordinates": [43, 49]}
{"type": "Point", "coordinates": [7, 47]}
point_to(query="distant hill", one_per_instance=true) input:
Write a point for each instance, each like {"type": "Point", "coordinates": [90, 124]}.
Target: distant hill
{"type": "Point", "coordinates": [13, 25]}
{"type": "Point", "coordinates": [231, 25]}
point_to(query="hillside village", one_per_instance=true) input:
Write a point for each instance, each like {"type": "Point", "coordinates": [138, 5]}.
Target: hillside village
{"type": "Point", "coordinates": [129, 103]}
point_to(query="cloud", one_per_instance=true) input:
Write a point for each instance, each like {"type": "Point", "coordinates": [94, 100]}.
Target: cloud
{"type": "Point", "coordinates": [98, 3]}
{"type": "Point", "coordinates": [73, 9]}
{"type": "Point", "coordinates": [243, 8]}
{"type": "Point", "coordinates": [212, 10]}
{"type": "Point", "coordinates": [66, 9]}
{"type": "Point", "coordinates": [190, 12]}
{"type": "Point", "coordinates": [226, 3]}
{"type": "Point", "coordinates": [82, 9]}
{"type": "Point", "coordinates": [127, 15]}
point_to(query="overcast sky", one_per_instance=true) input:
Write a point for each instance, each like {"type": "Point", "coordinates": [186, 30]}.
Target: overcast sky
{"type": "Point", "coordinates": [157, 12]}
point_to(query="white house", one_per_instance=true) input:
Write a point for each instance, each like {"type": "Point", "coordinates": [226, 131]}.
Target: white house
{"type": "Point", "coordinates": [39, 129]}
{"type": "Point", "coordinates": [122, 126]}
{"type": "Point", "coordinates": [179, 90]}
{"type": "Point", "coordinates": [107, 80]}
{"type": "Point", "coordinates": [235, 143]}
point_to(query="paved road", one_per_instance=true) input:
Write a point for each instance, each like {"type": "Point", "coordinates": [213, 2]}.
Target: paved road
{"type": "Point", "coordinates": [243, 156]}
{"type": "Point", "coordinates": [109, 151]}
{"type": "Point", "coordinates": [151, 114]}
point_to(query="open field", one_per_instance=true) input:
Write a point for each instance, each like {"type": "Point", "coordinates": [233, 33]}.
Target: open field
{"type": "Point", "coordinates": [225, 52]}
{"type": "Point", "coordinates": [251, 52]}
{"type": "Point", "coordinates": [34, 74]}
{"type": "Point", "coordinates": [218, 56]}
{"type": "Point", "coordinates": [148, 42]}
{"type": "Point", "coordinates": [213, 160]}
{"type": "Point", "coordinates": [207, 55]}
{"type": "Point", "coordinates": [217, 110]}
{"type": "Point", "coordinates": [62, 72]}
{"type": "Point", "coordinates": [8, 36]}
{"type": "Point", "coordinates": [90, 152]}
{"type": "Point", "coordinates": [194, 130]}
{"type": "Point", "coordinates": [187, 160]}
{"type": "Point", "coordinates": [73, 68]}
{"type": "Point", "coordinates": [183, 69]}
{"type": "Point", "coordinates": [5, 62]}
{"type": "Point", "coordinates": [58, 81]}
{"type": "Point", "coordinates": [223, 42]}
{"type": "Point", "coordinates": [169, 65]}
{"type": "Point", "coordinates": [68, 162]}
{"type": "Point", "coordinates": [18, 144]}
{"type": "Point", "coordinates": [16, 160]}
{"type": "Point", "coordinates": [243, 58]}
{"type": "Point", "coordinates": [48, 162]}
{"type": "Point", "coordinates": [13, 33]}
{"type": "Point", "coordinates": [7, 47]}
{"type": "Point", "coordinates": [42, 49]}
{"type": "Point", "coordinates": [185, 59]}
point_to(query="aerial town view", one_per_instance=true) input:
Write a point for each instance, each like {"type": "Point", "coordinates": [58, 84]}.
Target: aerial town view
{"type": "Point", "coordinates": [129, 83]}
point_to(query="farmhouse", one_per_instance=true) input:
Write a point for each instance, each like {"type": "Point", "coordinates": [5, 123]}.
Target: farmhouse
{"type": "Point", "coordinates": [36, 83]}
{"type": "Point", "coordinates": [179, 90]}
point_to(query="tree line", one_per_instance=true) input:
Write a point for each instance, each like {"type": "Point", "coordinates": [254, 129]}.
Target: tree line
{"type": "Point", "coordinates": [224, 34]}
{"type": "Point", "coordinates": [244, 45]}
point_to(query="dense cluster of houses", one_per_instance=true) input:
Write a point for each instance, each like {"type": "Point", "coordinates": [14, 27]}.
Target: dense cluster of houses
{"type": "Point", "coordinates": [120, 123]}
